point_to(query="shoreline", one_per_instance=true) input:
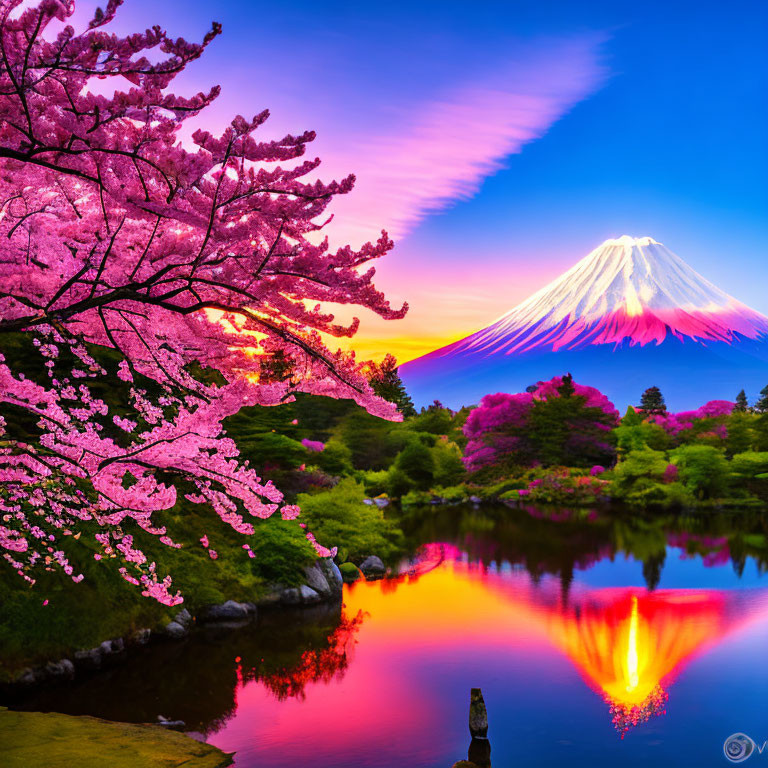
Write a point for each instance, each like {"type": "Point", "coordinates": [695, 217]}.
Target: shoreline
{"type": "Point", "coordinates": [323, 589]}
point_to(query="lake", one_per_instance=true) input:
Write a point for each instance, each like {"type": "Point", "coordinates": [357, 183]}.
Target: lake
{"type": "Point", "coordinates": [597, 639]}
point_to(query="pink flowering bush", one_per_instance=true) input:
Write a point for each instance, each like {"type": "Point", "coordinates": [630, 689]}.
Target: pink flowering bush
{"type": "Point", "coordinates": [705, 424]}
{"type": "Point", "coordinates": [561, 486]}
{"type": "Point", "coordinates": [560, 422]}
{"type": "Point", "coordinates": [181, 259]}
{"type": "Point", "coordinates": [315, 446]}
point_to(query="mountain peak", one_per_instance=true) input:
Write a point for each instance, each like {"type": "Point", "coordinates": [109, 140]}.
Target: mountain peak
{"type": "Point", "coordinates": [628, 290]}
{"type": "Point", "coordinates": [629, 314]}
{"type": "Point", "coordinates": [628, 240]}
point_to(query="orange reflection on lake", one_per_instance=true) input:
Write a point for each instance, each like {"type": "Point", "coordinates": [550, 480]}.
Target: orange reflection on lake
{"type": "Point", "coordinates": [627, 643]}
{"type": "Point", "coordinates": [392, 678]}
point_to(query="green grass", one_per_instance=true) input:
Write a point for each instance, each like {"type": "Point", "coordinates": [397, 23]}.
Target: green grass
{"type": "Point", "coordinates": [62, 741]}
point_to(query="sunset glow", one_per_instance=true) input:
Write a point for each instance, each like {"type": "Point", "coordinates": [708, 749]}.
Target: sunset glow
{"type": "Point", "coordinates": [628, 645]}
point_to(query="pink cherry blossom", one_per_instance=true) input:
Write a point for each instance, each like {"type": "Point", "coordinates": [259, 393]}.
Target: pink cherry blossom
{"type": "Point", "coordinates": [179, 255]}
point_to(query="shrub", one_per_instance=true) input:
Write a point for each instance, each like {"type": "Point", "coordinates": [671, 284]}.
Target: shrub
{"type": "Point", "coordinates": [339, 518]}
{"type": "Point", "coordinates": [749, 464]}
{"type": "Point", "coordinates": [416, 498]}
{"type": "Point", "coordinates": [638, 468]}
{"type": "Point", "coordinates": [350, 572]}
{"type": "Point", "coordinates": [454, 493]}
{"type": "Point", "coordinates": [703, 469]}
{"type": "Point", "coordinates": [634, 434]}
{"type": "Point", "coordinates": [281, 551]}
{"type": "Point", "coordinates": [398, 483]}
{"type": "Point", "coordinates": [336, 459]}
{"type": "Point", "coordinates": [649, 493]}
{"type": "Point", "coordinates": [449, 468]}
{"type": "Point", "coordinates": [418, 464]}
{"type": "Point", "coordinates": [375, 483]}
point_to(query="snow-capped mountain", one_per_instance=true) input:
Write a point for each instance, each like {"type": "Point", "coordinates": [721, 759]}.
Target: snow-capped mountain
{"type": "Point", "coordinates": [631, 314]}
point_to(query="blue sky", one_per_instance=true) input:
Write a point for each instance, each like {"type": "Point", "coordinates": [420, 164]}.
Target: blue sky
{"type": "Point", "coordinates": [500, 142]}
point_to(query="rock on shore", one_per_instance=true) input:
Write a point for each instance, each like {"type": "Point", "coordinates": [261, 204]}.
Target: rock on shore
{"type": "Point", "coordinates": [373, 567]}
{"type": "Point", "coordinates": [324, 584]}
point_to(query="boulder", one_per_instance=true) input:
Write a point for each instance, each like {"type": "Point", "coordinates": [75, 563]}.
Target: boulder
{"type": "Point", "coordinates": [332, 575]}
{"type": "Point", "coordinates": [309, 595]}
{"type": "Point", "coordinates": [183, 617]}
{"type": "Point", "coordinates": [111, 647]}
{"type": "Point", "coordinates": [88, 659]}
{"type": "Point", "coordinates": [290, 596]}
{"type": "Point", "coordinates": [316, 579]}
{"type": "Point", "coordinates": [167, 723]}
{"type": "Point", "coordinates": [302, 595]}
{"type": "Point", "coordinates": [174, 630]}
{"type": "Point", "coordinates": [27, 676]}
{"type": "Point", "coordinates": [229, 611]}
{"type": "Point", "coordinates": [63, 669]}
{"type": "Point", "coordinates": [349, 572]}
{"type": "Point", "coordinates": [372, 567]}
{"type": "Point", "coordinates": [273, 596]}
{"type": "Point", "coordinates": [141, 636]}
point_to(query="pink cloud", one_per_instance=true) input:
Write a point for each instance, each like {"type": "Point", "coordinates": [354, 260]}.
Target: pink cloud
{"type": "Point", "coordinates": [439, 151]}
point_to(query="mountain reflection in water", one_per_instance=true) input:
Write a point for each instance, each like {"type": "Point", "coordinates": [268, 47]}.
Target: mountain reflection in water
{"type": "Point", "coordinates": [627, 643]}
{"type": "Point", "coordinates": [547, 612]}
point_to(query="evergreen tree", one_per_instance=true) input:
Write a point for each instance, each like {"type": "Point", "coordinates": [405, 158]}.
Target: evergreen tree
{"type": "Point", "coordinates": [761, 406]}
{"type": "Point", "coordinates": [652, 567]}
{"type": "Point", "coordinates": [652, 401]}
{"type": "Point", "coordinates": [566, 389]}
{"type": "Point", "coordinates": [386, 382]}
{"type": "Point", "coordinates": [742, 404]}
{"type": "Point", "coordinates": [565, 431]}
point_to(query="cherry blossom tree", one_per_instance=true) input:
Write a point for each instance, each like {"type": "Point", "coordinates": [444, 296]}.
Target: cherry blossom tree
{"type": "Point", "coordinates": [191, 263]}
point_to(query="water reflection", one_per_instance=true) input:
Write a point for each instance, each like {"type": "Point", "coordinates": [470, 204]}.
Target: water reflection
{"type": "Point", "coordinates": [540, 610]}
{"type": "Point", "coordinates": [198, 680]}
{"type": "Point", "coordinates": [628, 644]}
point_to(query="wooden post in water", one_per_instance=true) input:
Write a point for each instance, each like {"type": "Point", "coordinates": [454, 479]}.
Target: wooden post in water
{"type": "Point", "coordinates": [479, 755]}
{"type": "Point", "coordinates": [478, 715]}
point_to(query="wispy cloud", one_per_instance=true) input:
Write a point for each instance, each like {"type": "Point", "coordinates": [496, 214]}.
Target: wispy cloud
{"type": "Point", "coordinates": [441, 150]}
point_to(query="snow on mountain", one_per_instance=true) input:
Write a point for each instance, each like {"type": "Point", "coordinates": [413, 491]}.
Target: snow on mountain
{"type": "Point", "coordinates": [629, 315]}
{"type": "Point", "coordinates": [628, 288]}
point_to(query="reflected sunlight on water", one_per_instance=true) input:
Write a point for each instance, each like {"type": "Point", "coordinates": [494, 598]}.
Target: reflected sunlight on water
{"type": "Point", "coordinates": [627, 644]}
{"type": "Point", "coordinates": [545, 615]}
